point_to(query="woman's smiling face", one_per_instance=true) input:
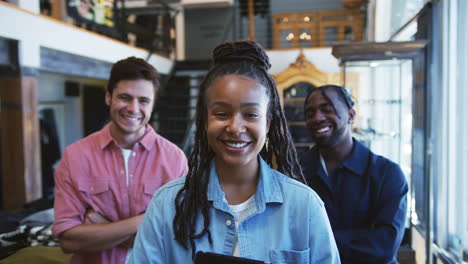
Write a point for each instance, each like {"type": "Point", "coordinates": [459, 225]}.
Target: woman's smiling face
{"type": "Point", "coordinates": [238, 120]}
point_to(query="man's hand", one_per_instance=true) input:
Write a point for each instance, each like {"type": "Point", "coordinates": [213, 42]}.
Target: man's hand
{"type": "Point", "coordinates": [92, 217]}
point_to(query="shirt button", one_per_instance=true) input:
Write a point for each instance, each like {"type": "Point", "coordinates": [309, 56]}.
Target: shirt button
{"type": "Point", "coordinates": [228, 222]}
{"type": "Point", "coordinates": [134, 154]}
{"type": "Point", "coordinates": [122, 171]}
{"type": "Point", "coordinates": [131, 175]}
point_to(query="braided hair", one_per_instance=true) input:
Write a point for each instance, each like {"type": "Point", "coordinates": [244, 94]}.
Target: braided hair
{"type": "Point", "coordinates": [341, 91]}
{"type": "Point", "coordinates": [243, 58]}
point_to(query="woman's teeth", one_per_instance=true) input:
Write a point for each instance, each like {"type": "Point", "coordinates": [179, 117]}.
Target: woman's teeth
{"type": "Point", "coordinates": [236, 145]}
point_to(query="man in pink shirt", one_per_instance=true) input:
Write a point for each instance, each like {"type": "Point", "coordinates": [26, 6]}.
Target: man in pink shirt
{"type": "Point", "coordinates": [105, 181]}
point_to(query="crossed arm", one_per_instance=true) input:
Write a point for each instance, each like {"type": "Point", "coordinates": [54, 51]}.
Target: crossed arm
{"type": "Point", "coordinates": [97, 234]}
{"type": "Point", "coordinates": [94, 232]}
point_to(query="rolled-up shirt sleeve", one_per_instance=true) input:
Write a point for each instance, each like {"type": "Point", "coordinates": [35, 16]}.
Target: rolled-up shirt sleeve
{"type": "Point", "coordinates": [68, 208]}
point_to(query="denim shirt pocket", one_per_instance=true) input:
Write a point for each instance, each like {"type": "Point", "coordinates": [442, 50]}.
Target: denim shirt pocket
{"type": "Point", "coordinates": [278, 256]}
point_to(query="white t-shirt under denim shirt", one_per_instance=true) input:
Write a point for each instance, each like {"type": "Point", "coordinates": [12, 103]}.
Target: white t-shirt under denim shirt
{"type": "Point", "coordinates": [241, 212]}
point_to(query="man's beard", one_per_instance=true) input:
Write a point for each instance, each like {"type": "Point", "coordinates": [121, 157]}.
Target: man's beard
{"type": "Point", "coordinates": [332, 140]}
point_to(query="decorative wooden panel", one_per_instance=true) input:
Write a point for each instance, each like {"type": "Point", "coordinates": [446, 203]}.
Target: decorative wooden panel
{"type": "Point", "coordinates": [302, 70]}
{"type": "Point", "coordinates": [21, 168]}
{"type": "Point", "coordinates": [298, 75]}
{"type": "Point", "coordinates": [317, 29]}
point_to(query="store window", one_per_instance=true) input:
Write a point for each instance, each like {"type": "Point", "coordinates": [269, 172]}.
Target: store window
{"type": "Point", "coordinates": [454, 135]}
{"type": "Point", "coordinates": [403, 11]}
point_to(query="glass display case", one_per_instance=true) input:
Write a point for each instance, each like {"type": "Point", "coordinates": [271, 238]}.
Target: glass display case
{"type": "Point", "coordinates": [391, 105]}
{"type": "Point", "coordinates": [384, 107]}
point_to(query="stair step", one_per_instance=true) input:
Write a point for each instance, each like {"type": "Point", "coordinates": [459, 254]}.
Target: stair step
{"type": "Point", "coordinates": [170, 125]}
{"type": "Point", "coordinates": [171, 107]}
{"type": "Point", "coordinates": [173, 100]}
{"type": "Point", "coordinates": [193, 65]}
{"type": "Point", "coordinates": [172, 132]}
{"type": "Point", "coordinates": [176, 103]}
{"type": "Point", "coordinates": [172, 119]}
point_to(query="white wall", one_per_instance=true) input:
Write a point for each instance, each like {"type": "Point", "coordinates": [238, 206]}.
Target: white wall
{"type": "Point", "coordinates": [34, 31]}
{"type": "Point", "coordinates": [31, 5]}
{"type": "Point", "coordinates": [69, 109]}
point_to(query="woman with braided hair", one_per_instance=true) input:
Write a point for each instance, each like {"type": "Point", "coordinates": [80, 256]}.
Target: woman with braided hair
{"type": "Point", "coordinates": [231, 201]}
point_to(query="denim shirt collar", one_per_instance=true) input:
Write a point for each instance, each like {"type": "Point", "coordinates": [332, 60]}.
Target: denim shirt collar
{"type": "Point", "coordinates": [268, 188]}
{"type": "Point", "coordinates": [354, 161]}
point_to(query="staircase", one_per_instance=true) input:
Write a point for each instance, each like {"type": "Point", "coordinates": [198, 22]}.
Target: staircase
{"type": "Point", "coordinates": [175, 107]}
{"type": "Point", "coordinates": [261, 7]}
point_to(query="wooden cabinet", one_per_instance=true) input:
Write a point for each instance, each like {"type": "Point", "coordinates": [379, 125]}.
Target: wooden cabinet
{"type": "Point", "coordinates": [317, 29]}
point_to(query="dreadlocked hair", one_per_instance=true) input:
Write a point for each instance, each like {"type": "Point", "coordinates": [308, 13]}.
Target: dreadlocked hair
{"type": "Point", "coordinates": [243, 58]}
{"type": "Point", "coordinates": [341, 91]}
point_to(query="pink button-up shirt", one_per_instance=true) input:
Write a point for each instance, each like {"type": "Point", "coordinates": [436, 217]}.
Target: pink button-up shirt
{"type": "Point", "coordinates": [91, 174]}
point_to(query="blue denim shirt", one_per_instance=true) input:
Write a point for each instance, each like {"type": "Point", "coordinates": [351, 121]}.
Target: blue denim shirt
{"type": "Point", "coordinates": [290, 226]}
{"type": "Point", "coordinates": [365, 198]}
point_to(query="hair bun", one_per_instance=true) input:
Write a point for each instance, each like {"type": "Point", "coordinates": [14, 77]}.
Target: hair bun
{"type": "Point", "coordinates": [239, 51]}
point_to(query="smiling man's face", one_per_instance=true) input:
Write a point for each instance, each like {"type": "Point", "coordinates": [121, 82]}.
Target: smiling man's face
{"type": "Point", "coordinates": [131, 104]}
{"type": "Point", "coordinates": [329, 120]}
